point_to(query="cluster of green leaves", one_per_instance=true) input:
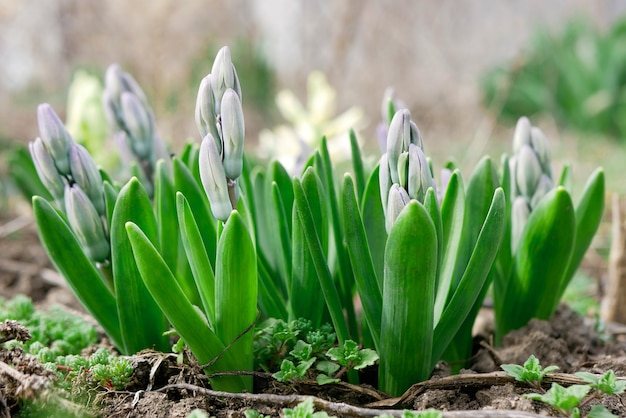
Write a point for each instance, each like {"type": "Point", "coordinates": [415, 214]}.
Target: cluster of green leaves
{"type": "Point", "coordinates": [578, 76]}
{"type": "Point", "coordinates": [567, 401]}
{"type": "Point", "coordinates": [294, 347]}
{"type": "Point", "coordinates": [102, 368]}
{"type": "Point", "coordinates": [55, 332]}
{"type": "Point", "coordinates": [557, 230]}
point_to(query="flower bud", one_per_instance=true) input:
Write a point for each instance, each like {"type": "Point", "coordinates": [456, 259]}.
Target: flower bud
{"type": "Point", "coordinates": [403, 169]}
{"type": "Point", "coordinates": [233, 133]}
{"type": "Point", "coordinates": [86, 223]}
{"type": "Point", "coordinates": [139, 124]}
{"type": "Point", "coordinates": [521, 135]}
{"type": "Point", "coordinates": [519, 216]}
{"type": "Point", "coordinates": [398, 139]}
{"type": "Point", "coordinates": [544, 185]}
{"type": "Point", "coordinates": [384, 181]}
{"type": "Point", "coordinates": [55, 137]}
{"type": "Point", "coordinates": [527, 171]}
{"type": "Point", "coordinates": [87, 176]}
{"type": "Point", "coordinates": [205, 108]}
{"type": "Point", "coordinates": [398, 199]}
{"type": "Point", "coordinates": [47, 171]}
{"type": "Point", "coordinates": [214, 178]}
{"type": "Point", "coordinates": [540, 145]}
{"type": "Point", "coordinates": [420, 178]}
{"type": "Point", "coordinates": [223, 77]}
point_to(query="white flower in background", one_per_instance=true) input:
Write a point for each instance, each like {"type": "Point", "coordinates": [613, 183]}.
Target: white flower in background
{"type": "Point", "coordinates": [292, 144]}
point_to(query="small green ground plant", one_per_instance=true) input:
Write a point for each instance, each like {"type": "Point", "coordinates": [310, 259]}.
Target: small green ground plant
{"type": "Point", "coordinates": [568, 401]}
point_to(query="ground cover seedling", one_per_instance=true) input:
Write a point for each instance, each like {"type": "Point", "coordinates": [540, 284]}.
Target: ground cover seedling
{"type": "Point", "coordinates": [567, 401]}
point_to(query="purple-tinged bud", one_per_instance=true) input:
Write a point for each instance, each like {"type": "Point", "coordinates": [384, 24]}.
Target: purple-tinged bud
{"type": "Point", "coordinates": [86, 224]}
{"type": "Point", "coordinates": [139, 124]}
{"type": "Point", "coordinates": [398, 139]}
{"type": "Point", "coordinates": [521, 136]}
{"type": "Point", "coordinates": [47, 171]}
{"type": "Point", "coordinates": [55, 137]}
{"type": "Point", "coordinates": [398, 199]}
{"type": "Point", "coordinates": [223, 77]}
{"type": "Point", "coordinates": [233, 134]}
{"type": "Point", "coordinates": [527, 171]}
{"type": "Point", "coordinates": [384, 180]}
{"type": "Point", "coordinates": [214, 179]}
{"type": "Point", "coordinates": [420, 178]}
{"type": "Point", "coordinates": [519, 216]}
{"type": "Point", "coordinates": [86, 174]}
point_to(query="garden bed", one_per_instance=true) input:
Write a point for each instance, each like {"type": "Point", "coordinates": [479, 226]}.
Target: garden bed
{"type": "Point", "coordinates": [164, 387]}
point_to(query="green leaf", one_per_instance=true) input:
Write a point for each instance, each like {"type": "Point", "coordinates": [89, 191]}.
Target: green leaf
{"type": "Point", "coordinates": [141, 321]}
{"type": "Point", "coordinates": [346, 277]}
{"type": "Point", "coordinates": [24, 174]}
{"type": "Point", "coordinates": [236, 292]}
{"type": "Point", "coordinates": [564, 399]}
{"type": "Point", "coordinates": [197, 256]}
{"type": "Point", "coordinates": [357, 165]}
{"type": "Point", "coordinates": [406, 338]}
{"type": "Point", "coordinates": [368, 285]}
{"type": "Point", "coordinates": [69, 259]}
{"type": "Point", "coordinates": [304, 282]}
{"type": "Point", "coordinates": [323, 379]}
{"type": "Point", "coordinates": [600, 411]}
{"type": "Point", "coordinates": [327, 367]}
{"type": "Point", "coordinates": [185, 183]}
{"type": "Point", "coordinates": [472, 282]}
{"type": "Point", "coordinates": [541, 260]}
{"type": "Point", "coordinates": [374, 224]}
{"type": "Point", "coordinates": [282, 225]}
{"type": "Point", "coordinates": [188, 321]}
{"type": "Point", "coordinates": [331, 296]}
{"type": "Point", "coordinates": [589, 213]}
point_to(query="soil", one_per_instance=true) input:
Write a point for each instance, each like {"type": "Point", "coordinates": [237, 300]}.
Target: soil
{"type": "Point", "coordinates": [163, 387]}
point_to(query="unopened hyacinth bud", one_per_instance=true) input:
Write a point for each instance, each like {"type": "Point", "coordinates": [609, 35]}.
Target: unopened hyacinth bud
{"type": "Point", "coordinates": [86, 224]}
{"type": "Point", "coordinates": [397, 200]}
{"type": "Point", "coordinates": [223, 76]}
{"type": "Point", "coordinates": [47, 170]}
{"type": "Point", "coordinates": [531, 172]}
{"type": "Point", "coordinates": [139, 126]}
{"type": "Point", "coordinates": [117, 82]}
{"type": "Point", "coordinates": [384, 180]}
{"type": "Point", "coordinates": [519, 216]}
{"type": "Point", "coordinates": [420, 178]}
{"type": "Point", "coordinates": [402, 132]}
{"type": "Point", "coordinates": [527, 171]}
{"type": "Point", "coordinates": [521, 136]}
{"type": "Point", "coordinates": [214, 179]}
{"type": "Point", "coordinates": [206, 118]}
{"type": "Point", "coordinates": [55, 137]}
{"type": "Point", "coordinates": [87, 176]}
{"type": "Point", "coordinates": [233, 132]}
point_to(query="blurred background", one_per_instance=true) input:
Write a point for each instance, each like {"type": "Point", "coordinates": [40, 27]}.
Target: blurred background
{"type": "Point", "coordinates": [466, 70]}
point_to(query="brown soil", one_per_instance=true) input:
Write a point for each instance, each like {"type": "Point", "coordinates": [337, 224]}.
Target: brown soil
{"type": "Point", "coordinates": [164, 388]}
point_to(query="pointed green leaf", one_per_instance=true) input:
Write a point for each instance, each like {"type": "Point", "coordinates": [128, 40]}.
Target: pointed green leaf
{"type": "Point", "coordinates": [185, 183]}
{"type": "Point", "coordinates": [452, 215]}
{"type": "Point", "coordinates": [358, 249]}
{"type": "Point", "coordinates": [374, 224]}
{"type": "Point", "coordinates": [588, 216]}
{"type": "Point", "coordinates": [197, 256]}
{"type": "Point", "coordinates": [472, 282]}
{"type": "Point", "coordinates": [236, 292]}
{"type": "Point", "coordinates": [186, 320]}
{"type": "Point", "coordinates": [282, 225]}
{"type": "Point", "coordinates": [357, 166]}
{"type": "Point", "coordinates": [541, 261]}
{"type": "Point", "coordinates": [408, 297]}
{"type": "Point", "coordinates": [141, 320]}
{"type": "Point", "coordinates": [304, 282]}
{"type": "Point", "coordinates": [331, 295]}
{"type": "Point", "coordinates": [69, 259]}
